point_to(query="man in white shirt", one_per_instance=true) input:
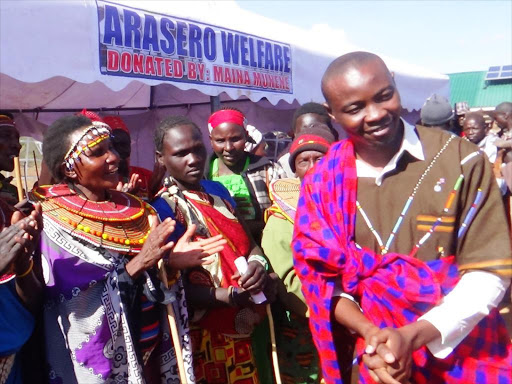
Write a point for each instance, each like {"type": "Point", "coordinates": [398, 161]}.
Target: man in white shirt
{"type": "Point", "coordinates": [424, 198]}
{"type": "Point", "coordinates": [475, 130]}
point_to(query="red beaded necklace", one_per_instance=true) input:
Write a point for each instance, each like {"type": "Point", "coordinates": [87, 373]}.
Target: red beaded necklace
{"type": "Point", "coordinates": [120, 224]}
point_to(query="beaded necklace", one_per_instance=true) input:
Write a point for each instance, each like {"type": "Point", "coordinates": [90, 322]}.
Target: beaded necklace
{"type": "Point", "coordinates": [385, 247]}
{"type": "Point", "coordinates": [119, 224]}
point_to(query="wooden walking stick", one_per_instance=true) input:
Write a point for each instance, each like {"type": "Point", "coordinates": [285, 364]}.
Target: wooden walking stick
{"type": "Point", "coordinates": [17, 174]}
{"type": "Point", "coordinates": [171, 317]}
{"type": "Point", "coordinates": [275, 360]}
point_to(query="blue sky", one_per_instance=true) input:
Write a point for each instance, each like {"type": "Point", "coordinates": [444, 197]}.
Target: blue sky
{"type": "Point", "coordinates": [444, 36]}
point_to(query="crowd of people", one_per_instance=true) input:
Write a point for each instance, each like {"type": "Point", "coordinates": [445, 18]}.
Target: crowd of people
{"type": "Point", "coordinates": [382, 257]}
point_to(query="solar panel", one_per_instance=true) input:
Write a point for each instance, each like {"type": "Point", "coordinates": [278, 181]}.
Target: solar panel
{"type": "Point", "coordinates": [499, 72]}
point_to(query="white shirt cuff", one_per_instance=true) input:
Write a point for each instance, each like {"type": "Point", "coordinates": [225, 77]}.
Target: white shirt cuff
{"type": "Point", "coordinates": [338, 292]}
{"type": "Point", "coordinates": [476, 293]}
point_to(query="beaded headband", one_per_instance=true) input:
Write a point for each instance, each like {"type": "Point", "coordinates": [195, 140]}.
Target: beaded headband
{"type": "Point", "coordinates": [92, 136]}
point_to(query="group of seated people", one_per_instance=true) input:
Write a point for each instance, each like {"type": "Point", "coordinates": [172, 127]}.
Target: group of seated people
{"type": "Point", "coordinates": [193, 275]}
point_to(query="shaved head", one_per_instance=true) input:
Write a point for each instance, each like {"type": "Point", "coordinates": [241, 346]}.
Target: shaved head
{"type": "Point", "coordinates": [505, 107]}
{"type": "Point", "coordinates": [476, 117]}
{"type": "Point", "coordinates": [342, 64]}
{"type": "Point", "coordinates": [503, 115]}
{"type": "Point", "coordinates": [474, 127]}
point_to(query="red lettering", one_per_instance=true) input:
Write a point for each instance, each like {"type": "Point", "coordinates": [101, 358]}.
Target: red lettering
{"type": "Point", "coordinates": [264, 82]}
{"type": "Point", "coordinates": [217, 74]}
{"type": "Point", "coordinates": [126, 62]}
{"type": "Point", "coordinates": [239, 76]}
{"type": "Point", "coordinates": [192, 74]}
{"type": "Point", "coordinates": [168, 67]}
{"type": "Point", "coordinates": [158, 61]}
{"type": "Point", "coordinates": [112, 60]}
{"type": "Point", "coordinates": [247, 80]}
{"type": "Point", "coordinates": [150, 66]}
{"type": "Point", "coordinates": [227, 75]}
{"type": "Point", "coordinates": [257, 79]}
{"type": "Point", "coordinates": [177, 69]}
{"type": "Point", "coordinates": [138, 63]}
{"type": "Point", "coordinates": [271, 81]}
{"type": "Point", "coordinates": [200, 69]}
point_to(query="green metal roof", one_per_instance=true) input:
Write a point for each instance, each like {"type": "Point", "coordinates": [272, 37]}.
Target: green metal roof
{"type": "Point", "coordinates": [472, 87]}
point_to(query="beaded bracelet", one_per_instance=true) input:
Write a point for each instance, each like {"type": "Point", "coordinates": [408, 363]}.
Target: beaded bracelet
{"type": "Point", "coordinates": [260, 259]}
{"type": "Point", "coordinates": [230, 295]}
{"type": "Point", "coordinates": [233, 296]}
{"type": "Point", "coordinates": [28, 270]}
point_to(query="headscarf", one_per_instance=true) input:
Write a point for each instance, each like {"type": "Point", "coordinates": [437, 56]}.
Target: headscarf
{"type": "Point", "coordinates": [226, 116]}
{"type": "Point", "coordinates": [116, 123]}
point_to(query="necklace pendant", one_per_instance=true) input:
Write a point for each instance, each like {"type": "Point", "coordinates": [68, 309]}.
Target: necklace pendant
{"type": "Point", "coordinates": [439, 185]}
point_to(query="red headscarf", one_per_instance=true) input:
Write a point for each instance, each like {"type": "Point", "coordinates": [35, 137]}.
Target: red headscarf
{"type": "Point", "coordinates": [226, 116]}
{"type": "Point", "coordinates": [115, 122]}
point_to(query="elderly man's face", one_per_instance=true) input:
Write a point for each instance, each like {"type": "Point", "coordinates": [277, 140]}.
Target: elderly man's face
{"type": "Point", "coordinates": [363, 99]}
{"type": "Point", "coordinates": [9, 147]}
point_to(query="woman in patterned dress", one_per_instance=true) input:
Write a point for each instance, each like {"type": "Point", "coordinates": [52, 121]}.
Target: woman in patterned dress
{"type": "Point", "coordinates": [105, 318]}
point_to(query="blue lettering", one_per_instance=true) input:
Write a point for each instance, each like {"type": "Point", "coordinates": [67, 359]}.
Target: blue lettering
{"type": "Point", "coordinates": [167, 45]}
{"type": "Point", "coordinates": [230, 48]}
{"type": "Point", "coordinates": [209, 44]}
{"type": "Point", "coordinates": [269, 62]}
{"type": "Point", "coordinates": [259, 45]}
{"type": "Point", "coordinates": [150, 34]}
{"type": "Point", "coordinates": [132, 26]}
{"type": "Point", "coordinates": [194, 41]}
{"type": "Point", "coordinates": [112, 27]}
{"type": "Point", "coordinates": [278, 57]}
{"type": "Point", "coordinates": [251, 53]}
{"type": "Point", "coordinates": [243, 50]}
{"type": "Point", "coordinates": [181, 38]}
{"type": "Point", "coordinates": [286, 58]}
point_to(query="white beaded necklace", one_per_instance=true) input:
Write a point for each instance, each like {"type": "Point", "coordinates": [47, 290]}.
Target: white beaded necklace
{"type": "Point", "coordinates": [385, 248]}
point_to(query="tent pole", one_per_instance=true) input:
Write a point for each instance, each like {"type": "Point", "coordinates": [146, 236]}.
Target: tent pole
{"type": "Point", "coordinates": [71, 110]}
{"type": "Point", "coordinates": [214, 103]}
{"type": "Point", "coordinates": [151, 96]}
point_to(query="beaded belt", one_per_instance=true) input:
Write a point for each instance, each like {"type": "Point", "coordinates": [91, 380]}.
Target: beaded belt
{"type": "Point", "coordinates": [6, 363]}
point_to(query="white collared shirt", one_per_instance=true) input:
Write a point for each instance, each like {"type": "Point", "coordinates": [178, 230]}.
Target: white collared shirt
{"type": "Point", "coordinates": [476, 293]}
{"type": "Point", "coordinates": [410, 143]}
{"type": "Point", "coordinates": [487, 146]}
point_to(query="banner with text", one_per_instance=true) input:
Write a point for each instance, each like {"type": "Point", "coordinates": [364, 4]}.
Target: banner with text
{"type": "Point", "coordinates": [136, 43]}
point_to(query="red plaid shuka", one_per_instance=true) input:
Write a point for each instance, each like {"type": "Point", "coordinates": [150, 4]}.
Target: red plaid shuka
{"type": "Point", "coordinates": [393, 290]}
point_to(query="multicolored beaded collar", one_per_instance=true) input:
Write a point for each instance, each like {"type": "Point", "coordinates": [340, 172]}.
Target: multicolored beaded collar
{"type": "Point", "coordinates": [120, 224]}
{"type": "Point", "coordinates": [91, 136]}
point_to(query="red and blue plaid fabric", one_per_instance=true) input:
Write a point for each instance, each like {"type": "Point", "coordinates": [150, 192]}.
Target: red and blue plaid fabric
{"type": "Point", "coordinates": [393, 289]}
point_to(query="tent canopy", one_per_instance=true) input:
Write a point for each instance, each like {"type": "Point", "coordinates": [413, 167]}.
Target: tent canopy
{"type": "Point", "coordinates": [94, 54]}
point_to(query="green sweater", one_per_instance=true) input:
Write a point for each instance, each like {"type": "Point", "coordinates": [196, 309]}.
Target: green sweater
{"type": "Point", "coordinates": [276, 243]}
